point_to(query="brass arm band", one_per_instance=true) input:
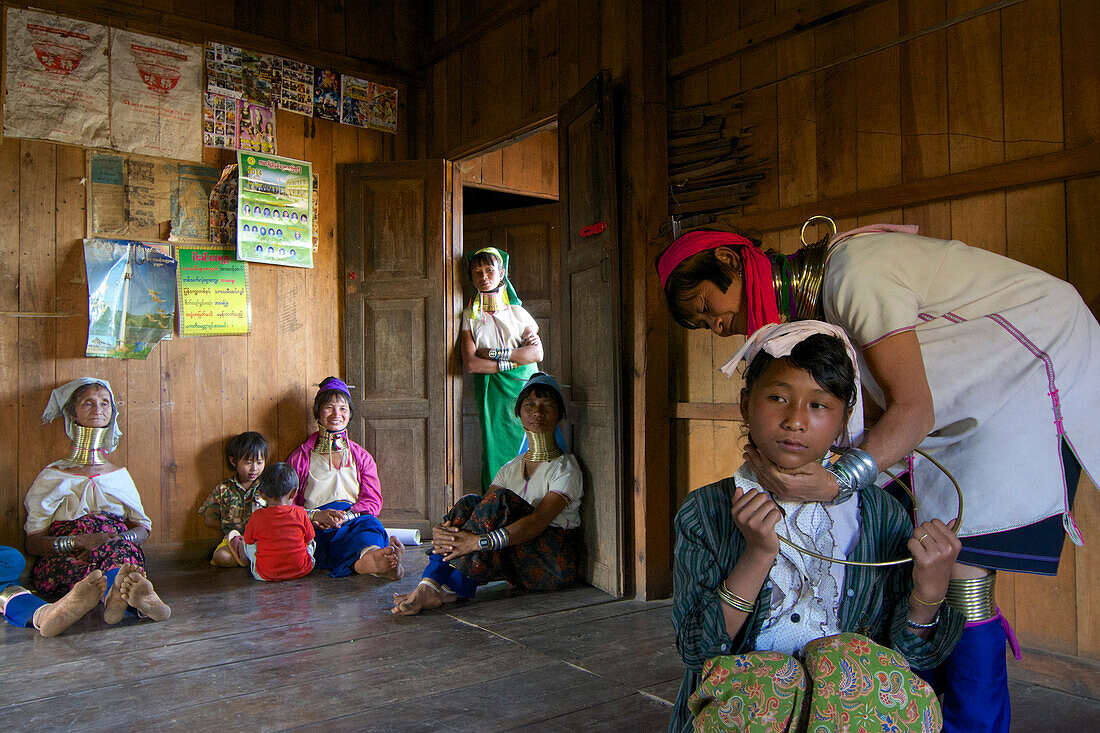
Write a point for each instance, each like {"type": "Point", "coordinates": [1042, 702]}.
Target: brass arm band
{"type": "Point", "coordinates": [733, 600]}
{"type": "Point", "coordinates": [974, 597]}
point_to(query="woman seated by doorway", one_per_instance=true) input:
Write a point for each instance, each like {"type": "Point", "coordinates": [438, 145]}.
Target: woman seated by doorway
{"type": "Point", "coordinates": [500, 346]}
{"type": "Point", "coordinates": [526, 529]}
{"type": "Point", "coordinates": [84, 515]}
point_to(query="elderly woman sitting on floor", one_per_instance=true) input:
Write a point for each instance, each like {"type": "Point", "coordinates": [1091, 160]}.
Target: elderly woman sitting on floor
{"type": "Point", "coordinates": [84, 515]}
{"type": "Point", "coordinates": [526, 529]}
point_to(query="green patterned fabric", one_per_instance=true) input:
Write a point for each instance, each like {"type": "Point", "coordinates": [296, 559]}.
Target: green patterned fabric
{"type": "Point", "coordinates": [501, 431]}
{"type": "Point", "coordinates": [845, 682]}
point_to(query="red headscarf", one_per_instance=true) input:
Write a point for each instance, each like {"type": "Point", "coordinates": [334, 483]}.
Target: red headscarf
{"type": "Point", "coordinates": [759, 289]}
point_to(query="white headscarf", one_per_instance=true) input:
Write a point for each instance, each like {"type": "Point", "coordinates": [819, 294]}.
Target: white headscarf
{"type": "Point", "coordinates": [56, 408]}
{"type": "Point", "coordinates": [779, 339]}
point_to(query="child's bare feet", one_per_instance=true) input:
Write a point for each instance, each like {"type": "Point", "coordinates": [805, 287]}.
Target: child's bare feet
{"type": "Point", "coordinates": [236, 548]}
{"type": "Point", "coordinates": [382, 562]}
{"type": "Point", "coordinates": [52, 619]}
{"type": "Point", "coordinates": [139, 593]}
{"type": "Point", "coordinates": [425, 596]}
{"type": "Point", "coordinates": [224, 558]}
{"type": "Point", "coordinates": [114, 606]}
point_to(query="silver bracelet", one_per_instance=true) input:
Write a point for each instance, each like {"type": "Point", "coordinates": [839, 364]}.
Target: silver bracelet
{"type": "Point", "coordinates": [496, 540]}
{"type": "Point", "coordinates": [349, 515]}
{"type": "Point", "coordinates": [503, 365]}
{"type": "Point", "coordinates": [914, 625]}
{"type": "Point", "coordinates": [130, 535]}
{"type": "Point", "coordinates": [855, 470]}
{"type": "Point", "coordinates": [64, 545]}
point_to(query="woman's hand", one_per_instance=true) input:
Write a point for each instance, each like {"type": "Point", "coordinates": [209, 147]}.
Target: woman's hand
{"type": "Point", "coordinates": [808, 483]}
{"type": "Point", "coordinates": [755, 514]}
{"type": "Point", "coordinates": [89, 542]}
{"type": "Point", "coordinates": [935, 549]}
{"type": "Point", "coordinates": [452, 542]}
{"type": "Point", "coordinates": [531, 338]}
{"type": "Point", "coordinates": [328, 518]}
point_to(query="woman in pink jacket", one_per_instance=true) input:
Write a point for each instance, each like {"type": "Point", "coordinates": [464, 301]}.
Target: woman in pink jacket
{"type": "Point", "coordinates": [338, 487]}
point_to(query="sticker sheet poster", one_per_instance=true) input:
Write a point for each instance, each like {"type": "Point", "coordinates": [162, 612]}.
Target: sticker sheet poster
{"type": "Point", "coordinates": [213, 291]}
{"type": "Point", "coordinates": [131, 297]}
{"type": "Point", "coordinates": [156, 96]}
{"type": "Point", "coordinates": [56, 87]}
{"type": "Point", "coordinates": [274, 210]}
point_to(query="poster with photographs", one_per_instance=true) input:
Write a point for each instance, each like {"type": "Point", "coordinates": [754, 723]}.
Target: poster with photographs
{"type": "Point", "coordinates": [274, 210]}
{"type": "Point", "coordinates": [223, 70]}
{"type": "Point", "coordinates": [326, 95]}
{"type": "Point", "coordinates": [219, 121]}
{"type": "Point", "coordinates": [156, 96]}
{"type": "Point", "coordinates": [383, 108]}
{"type": "Point", "coordinates": [354, 101]}
{"type": "Point", "coordinates": [255, 127]}
{"type": "Point", "coordinates": [260, 78]}
{"type": "Point", "coordinates": [296, 86]}
{"type": "Point", "coordinates": [56, 86]}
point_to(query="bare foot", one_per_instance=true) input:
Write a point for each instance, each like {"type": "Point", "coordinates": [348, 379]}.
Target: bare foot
{"type": "Point", "coordinates": [139, 593]}
{"type": "Point", "coordinates": [423, 597]}
{"type": "Point", "coordinates": [52, 619]}
{"type": "Point", "coordinates": [382, 562]}
{"type": "Point", "coordinates": [114, 606]}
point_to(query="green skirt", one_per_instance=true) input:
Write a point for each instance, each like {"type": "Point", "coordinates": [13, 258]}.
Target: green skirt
{"type": "Point", "coordinates": [501, 431]}
{"type": "Point", "coordinates": [845, 683]}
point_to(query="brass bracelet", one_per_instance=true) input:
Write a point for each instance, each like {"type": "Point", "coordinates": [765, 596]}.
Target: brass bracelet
{"type": "Point", "coordinates": [734, 601]}
{"type": "Point", "coordinates": [913, 595]}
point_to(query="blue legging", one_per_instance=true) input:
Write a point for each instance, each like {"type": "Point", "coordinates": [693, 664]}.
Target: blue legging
{"type": "Point", "coordinates": [338, 549]}
{"type": "Point", "coordinates": [19, 611]}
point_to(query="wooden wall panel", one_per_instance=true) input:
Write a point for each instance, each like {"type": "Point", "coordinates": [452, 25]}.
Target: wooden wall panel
{"type": "Point", "coordinates": [180, 405]}
{"type": "Point", "coordinates": [941, 87]}
{"type": "Point", "coordinates": [528, 166]}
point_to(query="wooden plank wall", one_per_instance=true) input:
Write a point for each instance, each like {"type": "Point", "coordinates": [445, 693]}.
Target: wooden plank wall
{"type": "Point", "coordinates": [888, 94]}
{"type": "Point", "coordinates": [179, 406]}
{"type": "Point", "coordinates": [528, 166]}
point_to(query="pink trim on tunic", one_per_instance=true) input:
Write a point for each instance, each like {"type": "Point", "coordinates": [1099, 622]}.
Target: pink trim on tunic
{"type": "Point", "coordinates": [370, 489]}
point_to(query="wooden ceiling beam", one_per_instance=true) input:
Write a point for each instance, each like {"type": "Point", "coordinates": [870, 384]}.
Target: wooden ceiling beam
{"type": "Point", "coordinates": [469, 32]}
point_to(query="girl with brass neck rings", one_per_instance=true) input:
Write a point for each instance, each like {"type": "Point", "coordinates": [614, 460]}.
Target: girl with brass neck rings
{"type": "Point", "coordinates": [960, 359]}
{"type": "Point", "coordinates": [524, 530]}
{"type": "Point", "coordinates": [500, 346]}
{"type": "Point", "coordinates": [85, 521]}
{"type": "Point", "coordinates": [338, 487]}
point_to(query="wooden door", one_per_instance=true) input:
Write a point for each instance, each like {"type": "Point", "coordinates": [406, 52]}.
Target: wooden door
{"type": "Point", "coordinates": [530, 237]}
{"type": "Point", "coordinates": [398, 239]}
{"type": "Point", "coordinates": [590, 304]}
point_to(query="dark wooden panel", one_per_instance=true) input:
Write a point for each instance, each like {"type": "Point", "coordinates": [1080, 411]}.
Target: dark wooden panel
{"type": "Point", "coordinates": [395, 224]}
{"type": "Point", "coordinates": [590, 322]}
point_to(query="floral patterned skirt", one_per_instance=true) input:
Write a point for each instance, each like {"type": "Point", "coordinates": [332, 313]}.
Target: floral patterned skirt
{"type": "Point", "coordinates": [550, 561]}
{"type": "Point", "coordinates": [845, 683]}
{"type": "Point", "coordinates": [57, 574]}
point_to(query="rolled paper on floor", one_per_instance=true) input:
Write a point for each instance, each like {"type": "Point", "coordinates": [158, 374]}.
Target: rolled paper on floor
{"type": "Point", "coordinates": [407, 536]}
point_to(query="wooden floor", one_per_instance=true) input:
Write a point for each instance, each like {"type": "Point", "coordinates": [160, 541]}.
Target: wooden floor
{"type": "Point", "coordinates": [324, 654]}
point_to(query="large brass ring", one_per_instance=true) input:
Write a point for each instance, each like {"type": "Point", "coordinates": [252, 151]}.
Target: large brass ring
{"type": "Point", "coordinates": [811, 220]}
{"type": "Point", "coordinates": [888, 563]}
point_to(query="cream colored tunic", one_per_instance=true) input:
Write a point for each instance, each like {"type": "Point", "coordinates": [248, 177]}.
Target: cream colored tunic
{"type": "Point", "coordinates": [1012, 356]}
{"type": "Point", "coordinates": [561, 475]}
{"type": "Point", "coordinates": [327, 483]}
{"type": "Point", "coordinates": [57, 495]}
{"type": "Point", "coordinates": [502, 329]}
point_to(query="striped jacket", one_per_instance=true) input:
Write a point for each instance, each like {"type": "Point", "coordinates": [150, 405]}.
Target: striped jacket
{"type": "Point", "coordinates": [874, 601]}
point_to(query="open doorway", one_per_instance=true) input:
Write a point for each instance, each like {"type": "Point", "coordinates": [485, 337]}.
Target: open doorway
{"type": "Point", "coordinates": [509, 201]}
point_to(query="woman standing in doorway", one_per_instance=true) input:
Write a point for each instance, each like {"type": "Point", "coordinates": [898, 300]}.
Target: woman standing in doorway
{"type": "Point", "coordinates": [500, 346]}
{"type": "Point", "coordinates": [991, 365]}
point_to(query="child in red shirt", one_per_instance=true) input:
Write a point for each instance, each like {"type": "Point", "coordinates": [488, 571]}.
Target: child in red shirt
{"type": "Point", "coordinates": [278, 541]}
